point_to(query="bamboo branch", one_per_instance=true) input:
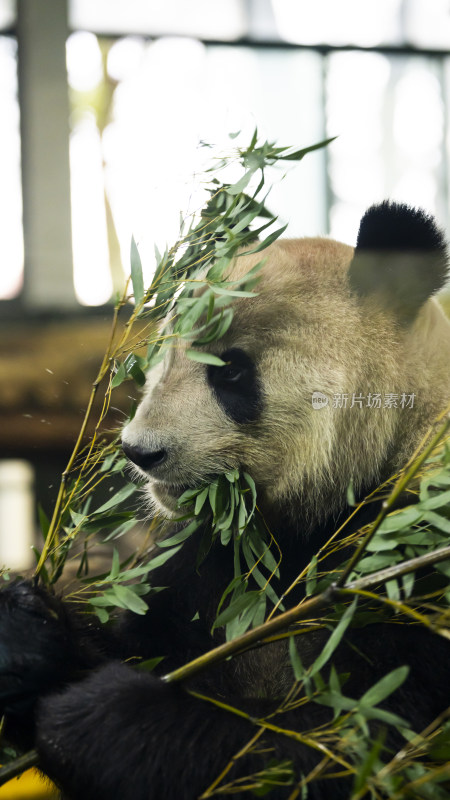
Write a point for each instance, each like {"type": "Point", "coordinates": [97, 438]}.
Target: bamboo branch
{"type": "Point", "coordinates": [389, 504]}
{"type": "Point", "coordinates": [19, 765]}
{"type": "Point", "coordinates": [397, 570]}
{"type": "Point", "coordinates": [262, 633]}
{"type": "Point", "coordinates": [303, 610]}
{"type": "Point", "coordinates": [52, 533]}
{"type": "Point", "coordinates": [308, 741]}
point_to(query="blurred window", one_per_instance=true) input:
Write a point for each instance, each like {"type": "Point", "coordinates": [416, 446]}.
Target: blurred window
{"type": "Point", "coordinates": [11, 238]}
{"type": "Point", "coordinates": [7, 14]}
{"type": "Point", "coordinates": [149, 83]}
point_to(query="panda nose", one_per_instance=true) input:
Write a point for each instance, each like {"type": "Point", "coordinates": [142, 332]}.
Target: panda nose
{"type": "Point", "coordinates": [146, 459]}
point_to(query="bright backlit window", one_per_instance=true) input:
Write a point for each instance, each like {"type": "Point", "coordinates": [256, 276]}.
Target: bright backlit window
{"type": "Point", "coordinates": [141, 111]}
{"type": "Point", "coordinates": [11, 239]}
{"type": "Point", "coordinates": [150, 82]}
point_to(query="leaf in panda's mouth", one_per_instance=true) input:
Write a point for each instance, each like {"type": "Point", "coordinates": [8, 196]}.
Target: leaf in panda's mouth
{"type": "Point", "coordinates": [225, 509]}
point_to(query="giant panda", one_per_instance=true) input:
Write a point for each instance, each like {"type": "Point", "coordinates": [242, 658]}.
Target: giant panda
{"type": "Point", "coordinates": [326, 319]}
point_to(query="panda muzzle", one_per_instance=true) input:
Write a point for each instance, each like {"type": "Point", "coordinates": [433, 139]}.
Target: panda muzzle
{"type": "Point", "coordinates": [147, 460]}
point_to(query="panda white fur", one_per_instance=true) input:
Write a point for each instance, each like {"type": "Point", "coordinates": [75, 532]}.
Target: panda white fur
{"type": "Point", "coordinates": [326, 319]}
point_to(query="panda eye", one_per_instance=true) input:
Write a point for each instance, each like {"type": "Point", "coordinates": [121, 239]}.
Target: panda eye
{"type": "Point", "coordinates": [238, 366]}
{"type": "Point", "coordinates": [231, 373]}
{"type": "Point", "coordinates": [236, 385]}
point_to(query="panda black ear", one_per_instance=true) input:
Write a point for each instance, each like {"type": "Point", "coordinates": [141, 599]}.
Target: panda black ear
{"type": "Point", "coordinates": [400, 256]}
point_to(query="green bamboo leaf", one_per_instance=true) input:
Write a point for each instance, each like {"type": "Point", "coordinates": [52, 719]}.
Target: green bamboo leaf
{"type": "Point", "coordinates": [233, 292]}
{"type": "Point", "coordinates": [149, 664]}
{"type": "Point", "coordinates": [381, 542]}
{"type": "Point", "coordinates": [205, 358]}
{"type": "Point", "coordinates": [158, 561]}
{"type": "Point", "coordinates": [438, 521]}
{"type": "Point", "coordinates": [115, 566]}
{"type": "Point", "coordinates": [77, 519]}
{"type": "Point", "coordinates": [401, 519]}
{"type": "Point", "coordinates": [225, 536]}
{"type": "Point", "coordinates": [226, 518]}
{"type": "Point", "coordinates": [211, 305]}
{"type": "Point", "coordinates": [99, 522]}
{"type": "Point", "coordinates": [133, 365]}
{"type": "Point", "coordinates": [311, 577]}
{"type": "Point", "coordinates": [384, 687]}
{"type": "Point", "coordinates": [188, 496]}
{"type": "Point", "coordinates": [241, 184]}
{"type": "Point", "coordinates": [121, 530]}
{"type": "Point", "coordinates": [215, 330]}
{"type": "Point", "coordinates": [212, 495]}
{"type": "Point", "coordinates": [128, 599]}
{"type": "Point", "coordinates": [258, 614]}
{"type": "Point", "coordinates": [267, 241]}
{"type": "Point", "coordinates": [253, 141]}
{"type": "Point", "coordinates": [378, 561]}
{"type": "Point", "coordinates": [334, 639]}
{"type": "Point", "coordinates": [105, 600]}
{"type": "Point", "coordinates": [120, 597]}
{"type": "Point", "coordinates": [296, 662]}
{"type": "Point", "coordinates": [196, 306]}
{"type": "Point", "coordinates": [200, 500]}
{"type": "Point", "coordinates": [180, 536]}
{"type": "Point", "coordinates": [123, 494]}
{"type": "Point", "coordinates": [351, 494]}
{"type": "Point", "coordinates": [137, 277]}
{"type": "Point", "coordinates": [438, 501]}
{"type": "Point", "coordinates": [232, 475]}
{"type": "Point", "coordinates": [384, 716]}
{"type": "Point", "coordinates": [119, 377]}
{"type": "Point", "coordinates": [242, 515]}
{"type": "Point", "coordinates": [102, 614]}
{"type": "Point", "coordinates": [297, 155]}
{"type": "Point", "coordinates": [252, 486]}
{"type": "Point", "coordinates": [237, 586]}
{"type": "Point", "coordinates": [262, 549]}
{"type": "Point", "coordinates": [392, 589]}
{"type": "Point", "coordinates": [408, 581]}
{"type": "Point", "coordinates": [44, 521]}
{"type": "Point", "coordinates": [370, 763]}
{"type": "Point", "coordinates": [236, 607]}
{"type": "Point", "coordinates": [250, 617]}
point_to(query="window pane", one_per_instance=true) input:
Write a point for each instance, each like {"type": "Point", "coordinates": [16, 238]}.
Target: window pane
{"type": "Point", "coordinates": [11, 240]}
{"type": "Point", "coordinates": [367, 23]}
{"type": "Point", "coordinates": [427, 24]}
{"type": "Point", "coordinates": [137, 133]}
{"type": "Point", "coordinates": [7, 14]}
{"type": "Point", "coordinates": [389, 114]}
{"type": "Point", "coordinates": [220, 19]}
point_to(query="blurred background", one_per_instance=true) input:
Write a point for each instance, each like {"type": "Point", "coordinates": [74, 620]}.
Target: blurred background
{"type": "Point", "coordinates": [104, 105]}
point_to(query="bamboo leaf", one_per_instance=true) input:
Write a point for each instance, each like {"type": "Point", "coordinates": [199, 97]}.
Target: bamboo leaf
{"type": "Point", "coordinates": [137, 277]}
{"type": "Point", "coordinates": [384, 687]}
{"type": "Point", "coordinates": [205, 358]}
{"type": "Point", "coordinates": [182, 535]}
{"type": "Point", "coordinates": [119, 377]}
{"type": "Point", "coordinates": [236, 607]}
{"type": "Point", "coordinates": [297, 155]}
{"type": "Point", "coordinates": [297, 666]}
{"type": "Point", "coordinates": [241, 184]}
{"type": "Point", "coordinates": [335, 638]}
{"type": "Point", "coordinates": [123, 494]}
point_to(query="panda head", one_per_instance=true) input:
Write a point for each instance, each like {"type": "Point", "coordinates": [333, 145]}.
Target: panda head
{"type": "Point", "coordinates": [328, 322]}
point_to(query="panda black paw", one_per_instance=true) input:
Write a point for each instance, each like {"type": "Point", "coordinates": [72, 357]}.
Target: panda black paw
{"type": "Point", "coordinates": [35, 646]}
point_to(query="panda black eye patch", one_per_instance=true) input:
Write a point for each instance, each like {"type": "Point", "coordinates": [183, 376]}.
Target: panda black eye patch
{"type": "Point", "coordinates": [236, 386]}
